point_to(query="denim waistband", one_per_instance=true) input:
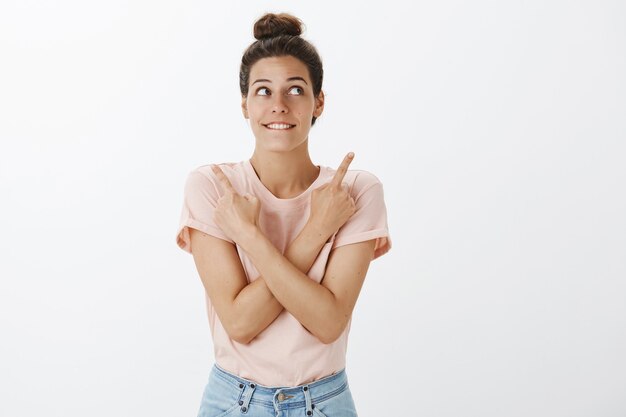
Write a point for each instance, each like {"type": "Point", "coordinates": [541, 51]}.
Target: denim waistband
{"type": "Point", "coordinates": [281, 398]}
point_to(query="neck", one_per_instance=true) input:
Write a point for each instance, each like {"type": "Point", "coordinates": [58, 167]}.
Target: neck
{"type": "Point", "coordinates": [286, 175]}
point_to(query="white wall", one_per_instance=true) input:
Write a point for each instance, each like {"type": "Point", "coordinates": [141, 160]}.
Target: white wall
{"type": "Point", "coordinates": [497, 129]}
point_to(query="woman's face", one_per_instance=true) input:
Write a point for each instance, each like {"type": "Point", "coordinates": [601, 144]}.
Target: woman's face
{"type": "Point", "coordinates": [280, 91]}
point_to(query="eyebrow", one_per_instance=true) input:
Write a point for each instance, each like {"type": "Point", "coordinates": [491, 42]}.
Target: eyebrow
{"type": "Point", "coordinates": [288, 79]}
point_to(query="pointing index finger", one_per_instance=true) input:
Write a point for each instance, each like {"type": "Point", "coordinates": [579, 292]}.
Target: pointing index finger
{"type": "Point", "coordinates": [222, 178]}
{"type": "Point", "coordinates": [343, 168]}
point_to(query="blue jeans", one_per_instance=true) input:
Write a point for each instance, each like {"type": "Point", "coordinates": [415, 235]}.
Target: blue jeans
{"type": "Point", "coordinates": [230, 395]}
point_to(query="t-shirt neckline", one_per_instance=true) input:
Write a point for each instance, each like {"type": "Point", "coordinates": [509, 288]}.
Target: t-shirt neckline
{"type": "Point", "coordinates": [282, 202]}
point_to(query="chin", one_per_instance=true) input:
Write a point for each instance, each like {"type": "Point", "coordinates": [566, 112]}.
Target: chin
{"type": "Point", "coordinates": [276, 145]}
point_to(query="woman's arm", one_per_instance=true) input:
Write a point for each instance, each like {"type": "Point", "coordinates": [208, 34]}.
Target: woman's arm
{"type": "Point", "coordinates": [255, 304]}
{"type": "Point", "coordinates": [246, 309]}
{"type": "Point", "coordinates": [323, 309]}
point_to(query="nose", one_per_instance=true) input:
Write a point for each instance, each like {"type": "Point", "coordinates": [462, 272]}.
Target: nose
{"type": "Point", "coordinates": [279, 105]}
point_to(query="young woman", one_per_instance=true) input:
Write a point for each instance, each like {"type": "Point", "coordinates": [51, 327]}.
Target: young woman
{"type": "Point", "coordinates": [282, 246]}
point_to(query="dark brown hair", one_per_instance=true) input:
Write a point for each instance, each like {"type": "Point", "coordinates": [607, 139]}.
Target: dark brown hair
{"type": "Point", "coordinates": [279, 35]}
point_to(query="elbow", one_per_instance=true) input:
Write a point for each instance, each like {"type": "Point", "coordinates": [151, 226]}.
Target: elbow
{"type": "Point", "coordinates": [238, 333]}
{"type": "Point", "coordinates": [332, 332]}
{"type": "Point", "coordinates": [242, 339]}
{"type": "Point", "coordinates": [327, 339]}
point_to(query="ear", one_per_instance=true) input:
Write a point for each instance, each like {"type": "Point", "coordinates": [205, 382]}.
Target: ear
{"type": "Point", "coordinates": [319, 104]}
{"type": "Point", "coordinates": [244, 107]}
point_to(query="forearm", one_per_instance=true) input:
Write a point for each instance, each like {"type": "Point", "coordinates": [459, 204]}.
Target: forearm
{"type": "Point", "coordinates": [255, 305]}
{"type": "Point", "coordinates": [312, 304]}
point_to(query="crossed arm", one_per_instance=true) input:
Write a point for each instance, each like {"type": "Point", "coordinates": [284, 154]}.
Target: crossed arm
{"type": "Point", "coordinates": [245, 309]}
{"type": "Point", "coordinates": [325, 308]}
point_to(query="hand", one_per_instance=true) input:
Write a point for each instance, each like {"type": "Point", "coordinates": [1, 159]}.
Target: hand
{"type": "Point", "coordinates": [236, 215]}
{"type": "Point", "coordinates": [331, 204]}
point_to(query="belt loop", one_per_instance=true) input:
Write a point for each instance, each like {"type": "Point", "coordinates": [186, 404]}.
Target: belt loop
{"type": "Point", "coordinates": [245, 406]}
{"type": "Point", "coordinates": [307, 399]}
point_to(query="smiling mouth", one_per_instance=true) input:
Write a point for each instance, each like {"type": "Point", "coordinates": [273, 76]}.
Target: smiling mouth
{"type": "Point", "coordinates": [280, 126]}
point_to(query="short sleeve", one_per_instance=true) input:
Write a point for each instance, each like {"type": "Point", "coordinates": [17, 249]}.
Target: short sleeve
{"type": "Point", "coordinates": [199, 202]}
{"type": "Point", "coordinates": [369, 221]}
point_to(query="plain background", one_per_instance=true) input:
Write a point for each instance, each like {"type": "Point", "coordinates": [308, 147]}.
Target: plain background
{"type": "Point", "coordinates": [497, 128]}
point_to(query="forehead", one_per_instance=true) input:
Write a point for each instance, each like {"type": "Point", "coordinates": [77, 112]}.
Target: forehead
{"type": "Point", "coordinates": [278, 68]}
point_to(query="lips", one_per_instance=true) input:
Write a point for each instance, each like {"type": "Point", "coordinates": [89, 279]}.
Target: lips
{"type": "Point", "coordinates": [291, 126]}
{"type": "Point", "coordinates": [278, 122]}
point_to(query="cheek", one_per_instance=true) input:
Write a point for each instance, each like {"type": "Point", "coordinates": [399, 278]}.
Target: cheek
{"type": "Point", "coordinates": [254, 114]}
{"type": "Point", "coordinates": [255, 109]}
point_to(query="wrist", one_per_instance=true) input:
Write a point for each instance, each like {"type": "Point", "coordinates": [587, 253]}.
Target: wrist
{"type": "Point", "coordinates": [312, 232]}
{"type": "Point", "coordinates": [249, 235]}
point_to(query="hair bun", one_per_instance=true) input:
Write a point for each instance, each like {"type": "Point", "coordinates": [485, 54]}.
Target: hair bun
{"type": "Point", "coordinates": [271, 25]}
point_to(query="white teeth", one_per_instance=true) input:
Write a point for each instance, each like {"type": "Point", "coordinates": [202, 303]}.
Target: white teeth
{"type": "Point", "coordinates": [278, 126]}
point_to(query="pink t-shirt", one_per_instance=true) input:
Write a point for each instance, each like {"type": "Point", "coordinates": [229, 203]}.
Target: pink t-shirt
{"type": "Point", "coordinates": [285, 353]}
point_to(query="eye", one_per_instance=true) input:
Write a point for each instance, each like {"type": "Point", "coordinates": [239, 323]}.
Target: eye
{"type": "Point", "coordinates": [292, 88]}
{"type": "Point", "coordinates": [262, 88]}
{"type": "Point", "coordinates": [300, 88]}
